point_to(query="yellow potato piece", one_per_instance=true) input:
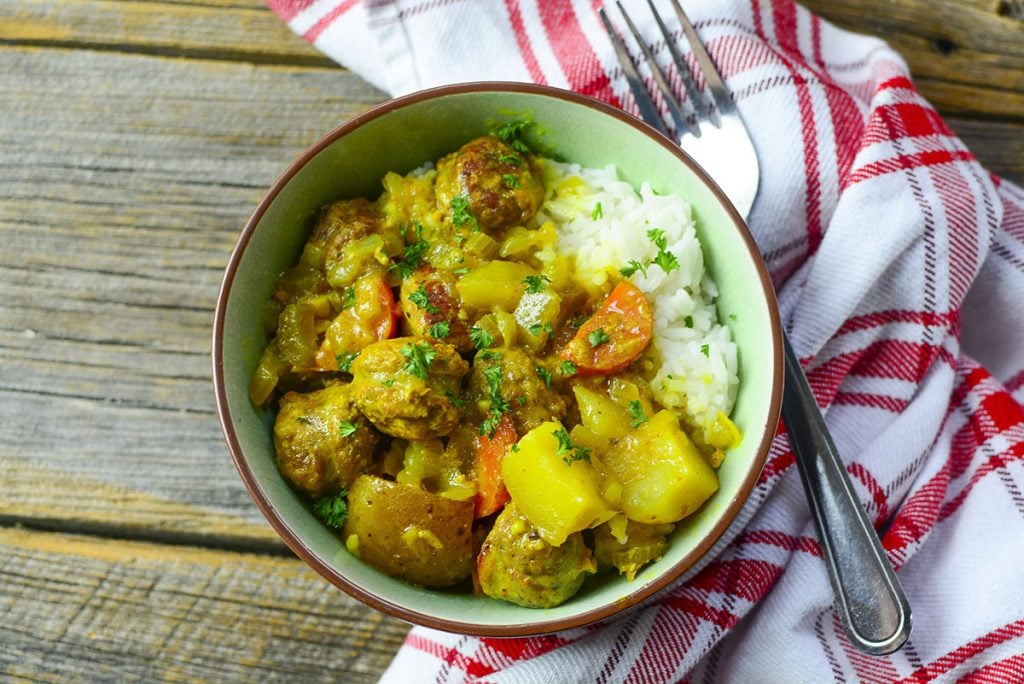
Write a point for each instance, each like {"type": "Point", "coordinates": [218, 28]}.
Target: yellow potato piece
{"type": "Point", "coordinates": [556, 496]}
{"type": "Point", "coordinates": [599, 414]}
{"type": "Point", "coordinates": [495, 284]}
{"type": "Point", "coordinates": [664, 477]}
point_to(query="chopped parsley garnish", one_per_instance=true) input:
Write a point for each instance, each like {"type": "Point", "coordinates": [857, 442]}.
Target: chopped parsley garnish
{"type": "Point", "coordinates": [510, 159]}
{"type": "Point", "coordinates": [489, 355]}
{"type": "Point", "coordinates": [636, 413]}
{"type": "Point", "coordinates": [440, 330]}
{"type": "Point", "coordinates": [633, 267]}
{"type": "Point", "coordinates": [420, 356]}
{"type": "Point", "coordinates": [499, 404]}
{"type": "Point", "coordinates": [536, 283]}
{"type": "Point", "coordinates": [597, 213]}
{"type": "Point", "coordinates": [688, 321]}
{"type": "Point", "coordinates": [345, 361]}
{"type": "Point", "coordinates": [457, 401]}
{"type": "Point", "coordinates": [510, 180]}
{"type": "Point", "coordinates": [515, 448]}
{"type": "Point", "coordinates": [521, 399]}
{"type": "Point", "coordinates": [665, 259]}
{"type": "Point", "coordinates": [512, 133]}
{"type": "Point", "coordinates": [421, 299]}
{"type": "Point", "coordinates": [413, 255]}
{"type": "Point", "coordinates": [333, 510]}
{"type": "Point", "coordinates": [348, 298]}
{"type": "Point", "coordinates": [567, 368]}
{"type": "Point", "coordinates": [569, 450]}
{"type": "Point", "coordinates": [480, 337]}
{"type": "Point", "coordinates": [544, 374]}
{"type": "Point", "coordinates": [535, 329]}
{"type": "Point", "coordinates": [598, 337]}
{"type": "Point", "coordinates": [347, 428]}
{"type": "Point", "coordinates": [462, 213]}
{"type": "Point", "coordinates": [705, 350]}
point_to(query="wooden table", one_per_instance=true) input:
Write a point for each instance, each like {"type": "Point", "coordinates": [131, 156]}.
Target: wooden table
{"type": "Point", "coordinates": [136, 136]}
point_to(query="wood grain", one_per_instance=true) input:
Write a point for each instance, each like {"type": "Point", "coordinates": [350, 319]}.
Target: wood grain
{"type": "Point", "coordinates": [85, 609]}
{"type": "Point", "coordinates": [118, 212]}
{"type": "Point", "coordinates": [966, 56]}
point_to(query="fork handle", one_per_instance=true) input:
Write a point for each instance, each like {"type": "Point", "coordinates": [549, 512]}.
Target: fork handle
{"type": "Point", "coordinates": [873, 609]}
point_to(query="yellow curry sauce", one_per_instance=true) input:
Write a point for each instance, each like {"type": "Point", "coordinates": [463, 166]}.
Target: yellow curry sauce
{"type": "Point", "coordinates": [459, 405]}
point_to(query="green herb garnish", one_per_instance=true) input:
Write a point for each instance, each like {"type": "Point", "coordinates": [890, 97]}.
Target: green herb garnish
{"type": "Point", "coordinates": [413, 255]}
{"type": "Point", "coordinates": [597, 213]}
{"type": "Point", "coordinates": [636, 413]}
{"type": "Point", "coordinates": [569, 450]}
{"type": "Point", "coordinates": [536, 283]}
{"type": "Point", "coordinates": [705, 350]}
{"type": "Point", "coordinates": [488, 355]}
{"type": "Point", "coordinates": [544, 374]}
{"type": "Point", "coordinates": [633, 267]}
{"type": "Point", "coordinates": [510, 159]}
{"type": "Point", "coordinates": [665, 259]}
{"type": "Point", "coordinates": [598, 337]}
{"type": "Point", "coordinates": [345, 361]}
{"type": "Point", "coordinates": [348, 298]}
{"type": "Point", "coordinates": [347, 428]}
{"type": "Point", "coordinates": [510, 180]}
{"type": "Point", "coordinates": [420, 356]}
{"type": "Point", "coordinates": [512, 133]}
{"type": "Point", "coordinates": [457, 401]}
{"type": "Point", "coordinates": [421, 299]}
{"type": "Point", "coordinates": [567, 368]}
{"type": "Point", "coordinates": [499, 404]}
{"type": "Point", "coordinates": [688, 321]}
{"type": "Point", "coordinates": [333, 510]}
{"type": "Point", "coordinates": [462, 213]}
{"type": "Point", "coordinates": [480, 337]}
{"type": "Point", "coordinates": [440, 330]}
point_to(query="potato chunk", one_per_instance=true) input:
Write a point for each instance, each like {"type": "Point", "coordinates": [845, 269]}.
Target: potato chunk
{"type": "Point", "coordinates": [557, 494]}
{"type": "Point", "coordinates": [664, 477]}
{"type": "Point", "coordinates": [410, 533]}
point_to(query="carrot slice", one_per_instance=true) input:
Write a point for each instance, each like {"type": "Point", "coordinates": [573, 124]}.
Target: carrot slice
{"type": "Point", "coordinates": [615, 336]}
{"type": "Point", "coordinates": [491, 494]}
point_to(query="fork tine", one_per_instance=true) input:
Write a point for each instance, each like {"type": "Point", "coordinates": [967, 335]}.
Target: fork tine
{"type": "Point", "coordinates": [696, 100]}
{"type": "Point", "coordinates": [719, 93]}
{"type": "Point", "coordinates": [674, 108]}
{"type": "Point", "coordinates": [648, 111]}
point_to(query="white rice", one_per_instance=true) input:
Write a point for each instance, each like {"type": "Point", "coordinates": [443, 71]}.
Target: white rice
{"type": "Point", "coordinates": [696, 366]}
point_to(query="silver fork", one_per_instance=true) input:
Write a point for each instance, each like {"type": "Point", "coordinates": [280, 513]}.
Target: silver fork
{"type": "Point", "coordinates": [872, 606]}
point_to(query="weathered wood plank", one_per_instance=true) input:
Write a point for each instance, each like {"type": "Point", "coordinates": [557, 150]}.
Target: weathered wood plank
{"type": "Point", "coordinates": [966, 56]}
{"type": "Point", "coordinates": [212, 29]}
{"type": "Point", "coordinates": [119, 207]}
{"type": "Point", "coordinates": [79, 608]}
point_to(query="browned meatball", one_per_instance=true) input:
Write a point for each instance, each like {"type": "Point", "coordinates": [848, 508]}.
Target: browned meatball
{"type": "Point", "coordinates": [408, 387]}
{"type": "Point", "coordinates": [321, 442]}
{"type": "Point", "coordinates": [516, 565]}
{"type": "Point", "coordinates": [342, 222]}
{"type": "Point", "coordinates": [530, 401]}
{"type": "Point", "coordinates": [643, 544]}
{"type": "Point", "coordinates": [497, 182]}
{"type": "Point", "coordinates": [429, 298]}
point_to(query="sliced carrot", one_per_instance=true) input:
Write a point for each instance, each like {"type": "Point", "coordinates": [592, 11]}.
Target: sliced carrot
{"type": "Point", "coordinates": [615, 336]}
{"type": "Point", "coordinates": [373, 317]}
{"type": "Point", "coordinates": [491, 494]}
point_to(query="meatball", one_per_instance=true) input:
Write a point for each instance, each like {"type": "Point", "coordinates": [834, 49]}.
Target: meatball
{"type": "Point", "coordinates": [643, 544]}
{"type": "Point", "coordinates": [498, 183]}
{"type": "Point", "coordinates": [516, 565]}
{"type": "Point", "coordinates": [321, 442]}
{"type": "Point", "coordinates": [429, 297]}
{"type": "Point", "coordinates": [408, 387]}
{"type": "Point", "coordinates": [343, 222]}
{"type": "Point", "coordinates": [530, 401]}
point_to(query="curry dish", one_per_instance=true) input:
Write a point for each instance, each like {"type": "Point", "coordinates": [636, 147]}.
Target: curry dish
{"type": "Point", "coordinates": [460, 405]}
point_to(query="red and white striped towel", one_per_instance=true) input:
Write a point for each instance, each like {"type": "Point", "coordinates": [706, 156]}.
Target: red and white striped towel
{"type": "Point", "coordinates": [900, 268]}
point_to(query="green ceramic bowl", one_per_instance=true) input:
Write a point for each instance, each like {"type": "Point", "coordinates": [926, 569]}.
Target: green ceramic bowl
{"type": "Point", "coordinates": [401, 135]}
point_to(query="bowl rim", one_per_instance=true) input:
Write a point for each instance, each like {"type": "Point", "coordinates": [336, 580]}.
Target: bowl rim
{"type": "Point", "coordinates": [521, 629]}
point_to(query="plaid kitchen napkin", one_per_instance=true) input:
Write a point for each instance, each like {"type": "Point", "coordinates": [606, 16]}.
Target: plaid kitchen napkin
{"type": "Point", "coordinates": [899, 263]}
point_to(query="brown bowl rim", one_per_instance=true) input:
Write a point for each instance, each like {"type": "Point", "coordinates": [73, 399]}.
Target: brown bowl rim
{"type": "Point", "coordinates": [522, 629]}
